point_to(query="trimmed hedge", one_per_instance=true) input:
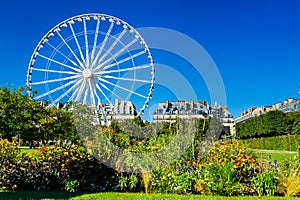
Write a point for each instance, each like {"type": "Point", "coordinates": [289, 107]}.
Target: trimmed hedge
{"type": "Point", "coordinates": [285, 143]}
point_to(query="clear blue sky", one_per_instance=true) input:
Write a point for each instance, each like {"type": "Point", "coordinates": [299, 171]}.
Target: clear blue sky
{"type": "Point", "coordinates": [255, 44]}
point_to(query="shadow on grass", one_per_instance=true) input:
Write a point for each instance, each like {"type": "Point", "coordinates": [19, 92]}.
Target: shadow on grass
{"type": "Point", "coordinates": [38, 195]}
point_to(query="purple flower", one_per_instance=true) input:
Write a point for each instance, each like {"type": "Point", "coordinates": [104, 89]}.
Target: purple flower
{"type": "Point", "coordinates": [188, 170]}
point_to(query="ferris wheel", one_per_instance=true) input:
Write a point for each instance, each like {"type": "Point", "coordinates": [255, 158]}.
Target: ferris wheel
{"type": "Point", "coordinates": [94, 59]}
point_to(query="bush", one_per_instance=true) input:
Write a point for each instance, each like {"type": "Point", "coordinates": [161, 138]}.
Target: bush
{"type": "Point", "coordinates": [228, 169]}
{"type": "Point", "coordinates": [177, 178]}
{"type": "Point", "coordinates": [285, 143]}
{"type": "Point", "coordinates": [289, 178]}
{"type": "Point", "coordinates": [54, 168]}
{"type": "Point", "coordinates": [8, 151]}
{"type": "Point", "coordinates": [265, 183]}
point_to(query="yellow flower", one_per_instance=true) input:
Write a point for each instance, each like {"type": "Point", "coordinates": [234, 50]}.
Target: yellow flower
{"type": "Point", "coordinates": [4, 187]}
{"type": "Point", "coordinates": [26, 162]}
{"type": "Point", "coordinates": [49, 158]}
{"type": "Point", "coordinates": [91, 166]}
{"type": "Point", "coordinates": [62, 165]}
{"type": "Point", "coordinates": [66, 153]}
{"type": "Point", "coordinates": [23, 169]}
{"type": "Point", "coordinates": [14, 186]}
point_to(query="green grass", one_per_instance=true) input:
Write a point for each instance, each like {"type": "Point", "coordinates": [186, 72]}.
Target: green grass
{"type": "Point", "coordinates": [37, 195]}
{"type": "Point", "coordinates": [135, 196]}
{"type": "Point", "coordinates": [271, 155]}
{"type": "Point", "coordinates": [120, 196]}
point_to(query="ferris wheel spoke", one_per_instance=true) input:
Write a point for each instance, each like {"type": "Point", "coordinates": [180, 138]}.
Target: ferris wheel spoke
{"type": "Point", "coordinates": [112, 92]}
{"type": "Point", "coordinates": [60, 63]}
{"type": "Point", "coordinates": [85, 93]}
{"type": "Point", "coordinates": [113, 45]}
{"type": "Point", "coordinates": [96, 93]}
{"type": "Point", "coordinates": [95, 39]}
{"type": "Point", "coordinates": [103, 43]}
{"type": "Point", "coordinates": [77, 43]}
{"type": "Point", "coordinates": [65, 42]}
{"type": "Point", "coordinates": [56, 89]}
{"type": "Point", "coordinates": [53, 71]}
{"type": "Point", "coordinates": [80, 90]}
{"type": "Point", "coordinates": [92, 94]}
{"type": "Point", "coordinates": [57, 50]}
{"type": "Point", "coordinates": [76, 90]}
{"type": "Point", "coordinates": [86, 43]}
{"type": "Point", "coordinates": [99, 101]}
{"type": "Point", "coordinates": [117, 53]}
{"type": "Point", "coordinates": [124, 70]}
{"type": "Point", "coordinates": [126, 79]}
{"type": "Point", "coordinates": [64, 94]}
{"type": "Point", "coordinates": [124, 60]}
{"type": "Point", "coordinates": [101, 91]}
{"type": "Point", "coordinates": [125, 89]}
{"type": "Point", "coordinates": [56, 80]}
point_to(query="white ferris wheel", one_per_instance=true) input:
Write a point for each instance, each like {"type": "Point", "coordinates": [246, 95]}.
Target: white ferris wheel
{"type": "Point", "coordinates": [93, 59]}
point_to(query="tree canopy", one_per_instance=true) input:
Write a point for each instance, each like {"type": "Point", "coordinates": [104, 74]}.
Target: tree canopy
{"type": "Point", "coordinates": [21, 115]}
{"type": "Point", "coordinates": [272, 123]}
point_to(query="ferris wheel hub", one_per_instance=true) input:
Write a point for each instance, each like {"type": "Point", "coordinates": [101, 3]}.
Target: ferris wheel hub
{"type": "Point", "coordinates": [87, 73]}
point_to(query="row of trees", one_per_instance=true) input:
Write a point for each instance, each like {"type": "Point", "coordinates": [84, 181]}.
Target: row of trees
{"type": "Point", "coordinates": [23, 116]}
{"type": "Point", "coordinates": [272, 123]}
{"type": "Point", "coordinates": [30, 119]}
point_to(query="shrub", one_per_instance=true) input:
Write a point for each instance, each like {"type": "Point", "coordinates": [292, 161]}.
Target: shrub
{"type": "Point", "coordinates": [55, 168]}
{"type": "Point", "coordinates": [222, 178]}
{"type": "Point", "coordinates": [177, 178]}
{"type": "Point", "coordinates": [289, 181]}
{"type": "Point", "coordinates": [228, 169]}
{"type": "Point", "coordinates": [289, 184]}
{"type": "Point", "coordinates": [130, 182]}
{"type": "Point", "coordinates": [286, 143]}
{"type": "Point", "coordinates": [8, 151]}
{"type": "Point", "coordinates": [71, 186]}
{"type": "Point", "coordinates": [265, 183]}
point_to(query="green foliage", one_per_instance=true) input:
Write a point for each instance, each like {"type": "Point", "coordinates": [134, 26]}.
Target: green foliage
{"type": "Point", "coordinates": [54, 168]}
{"type": "Point", "coordinates": [228, 169]}
{"type": "Point", "coordinates": [19, 114]}
{"type": "Point", "coordinates": [272, 123]}
{"type": "Point", "coordinates": [130, 182]}
{"type": "Point", "coordinates": [71, 186]}
{"type": "Point", "coordinates": [265, 183]}
{"type": "Point", "coordinates": [178, 178]}
{"type": "Point", "coordinates": [222, 178]}
{"type": "Point", "coordinates": [285, 143]}
{"type": "Point", "coordinates": [289, 177]}
{"type": "Point", "coordinates": [8, 151]}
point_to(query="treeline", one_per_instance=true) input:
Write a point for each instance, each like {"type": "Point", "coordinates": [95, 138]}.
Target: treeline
{"type": "Point", "coordinates": [270, 124]}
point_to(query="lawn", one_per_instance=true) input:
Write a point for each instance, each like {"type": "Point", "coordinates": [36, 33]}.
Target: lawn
{"type": "Point", "coordinates": [271, 155]}
{"type": "Point", "coordinates": [121, 196]}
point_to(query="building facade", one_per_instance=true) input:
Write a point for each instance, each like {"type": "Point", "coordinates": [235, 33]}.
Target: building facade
{"type": "Point", "coordinates": [287, 106]}
{"type": "Point", "coordinates": [119, 111]}
{"type": "Point", "coordinates": [170, 111]}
